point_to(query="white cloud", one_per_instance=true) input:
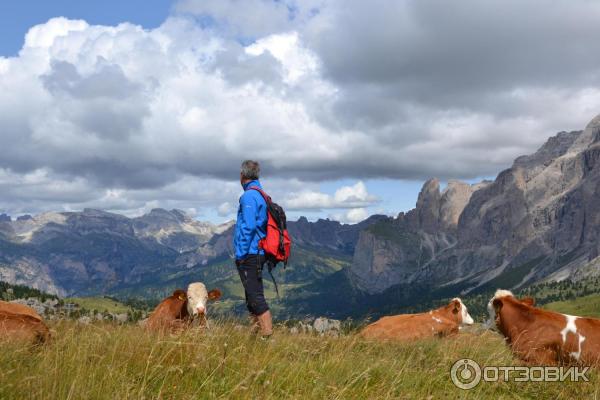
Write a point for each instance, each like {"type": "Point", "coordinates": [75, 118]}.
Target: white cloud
{"type": "Point", "coordinates": [287, 49]}
{"type": "Point", "coordinates": [344, 197]}
{"type": "Point", "coordinates": [351, 216]}
{"type": "Point", "coordinates": [353, 194]}
{"type": "Point", "coordinates": [225, 209]}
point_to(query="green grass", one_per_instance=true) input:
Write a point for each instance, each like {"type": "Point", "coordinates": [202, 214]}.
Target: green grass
{"type": "Point", "coordinates": [586, 306]}
{"type": "Point", "coordinates": [99, 304]}
{"type": "Point", "coordinates": [106, 361]}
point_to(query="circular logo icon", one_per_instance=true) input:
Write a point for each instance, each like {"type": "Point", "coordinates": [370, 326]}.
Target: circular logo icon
{"type": "Point", "coordinates": [465, 374]}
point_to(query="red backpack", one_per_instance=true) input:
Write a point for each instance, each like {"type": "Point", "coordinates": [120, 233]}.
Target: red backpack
{"type": "Point", "coordinates": [276, 244]}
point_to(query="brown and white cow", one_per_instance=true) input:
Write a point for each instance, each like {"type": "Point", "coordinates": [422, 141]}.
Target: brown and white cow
{"type": "Point", "coordinates": [543, 337]}
{"type": "Point", "coordinates": [17, 308]}
{"type": "Point", "coordinates": [22, 323]}
{"type": "Point", "coordinates": [177, 311]}
{"type": "Point", "coordinates": [440, 322]}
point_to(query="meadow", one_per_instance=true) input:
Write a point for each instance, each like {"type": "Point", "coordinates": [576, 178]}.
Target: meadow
{"type": "Point", "coordinates": [99, 304]}
{"type": "Point", "coordinates": [109, 361]}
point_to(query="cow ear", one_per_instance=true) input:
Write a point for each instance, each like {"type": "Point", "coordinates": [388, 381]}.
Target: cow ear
{"type": "Point", "coordinates": [214, 294]}
{"type": "Point", "coordinates": [180, 294]}
{"type": "Point", "coordinates": [529, 301]}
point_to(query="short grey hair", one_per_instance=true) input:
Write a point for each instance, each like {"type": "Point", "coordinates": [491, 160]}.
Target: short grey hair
{"type": "Point", "coordinates": [250, 169]}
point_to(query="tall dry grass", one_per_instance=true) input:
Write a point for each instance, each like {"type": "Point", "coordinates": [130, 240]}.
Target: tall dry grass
{"type": "Point", "coordinates": [106, 361]}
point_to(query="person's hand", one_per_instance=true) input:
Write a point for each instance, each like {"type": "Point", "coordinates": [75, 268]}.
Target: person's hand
{"type": "Point", "coordinates": [238, 262]}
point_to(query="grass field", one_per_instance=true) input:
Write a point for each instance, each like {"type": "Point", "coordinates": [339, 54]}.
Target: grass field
{"type": "Point", "coordinates": [586, 306]}
{"type": "Point", "coordinates": [99, 304]}
{"type": "Point", "coordinates": [109, 361]}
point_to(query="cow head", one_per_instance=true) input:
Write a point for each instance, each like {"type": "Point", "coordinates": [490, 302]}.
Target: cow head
{"type": "Point", "coordinates": [459, 311]}
{"type": "Point", "coordinates": [497, 303]}
{"type": "Point", "coordinates": [198, 296]}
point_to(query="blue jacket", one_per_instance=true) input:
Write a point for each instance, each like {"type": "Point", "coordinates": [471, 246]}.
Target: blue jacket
{"type": "Point", "coordinates": [251, 225]}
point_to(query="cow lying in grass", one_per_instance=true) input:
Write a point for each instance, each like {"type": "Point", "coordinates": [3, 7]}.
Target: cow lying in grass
{"type": "Point", "coordinates": [177, 311]}
{"type": "Point", "coordinates": [543, 337]}
{"type": "Point", "coordinates": [22, 323]}
{"type": "Point", "coordinates": [440, 322]}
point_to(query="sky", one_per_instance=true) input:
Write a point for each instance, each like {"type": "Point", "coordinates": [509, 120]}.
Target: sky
{"type": "Point", "coordinates": [349, 105]}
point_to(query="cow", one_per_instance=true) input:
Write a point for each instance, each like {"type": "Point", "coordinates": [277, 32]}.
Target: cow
{"type": "Point", "coordinates": [177, 311]}
{"type": "Point", "coordinates": [17, 308]}
{"type": "Point", "coordinates": [21, 323]}
{"type": "Point", "coordinates": [440, 322]}
{"type": "Point", "coordinates": [542, 337]}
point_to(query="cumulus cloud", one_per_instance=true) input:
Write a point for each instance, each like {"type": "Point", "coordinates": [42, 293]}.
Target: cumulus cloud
{"type": "Point", "coordinates": [351, 216]}
{"type": "Point", "coordinates": [345, 197]}
{"type": "Point", "coordinates": [127, 118]}
{"type": "Point", "coordinates": [41, 190]}
{"type": "Point", "coordinates": [225, 209]}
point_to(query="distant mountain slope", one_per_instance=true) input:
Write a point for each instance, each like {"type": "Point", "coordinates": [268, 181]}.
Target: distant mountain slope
{"type": "Point", "coordinates": [10, 292]}
{"type": "Point", "coordinates": [95, 252]}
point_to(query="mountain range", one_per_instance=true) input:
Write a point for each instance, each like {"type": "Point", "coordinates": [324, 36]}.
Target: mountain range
{"type": "Point", "coordinates": [538, 221]}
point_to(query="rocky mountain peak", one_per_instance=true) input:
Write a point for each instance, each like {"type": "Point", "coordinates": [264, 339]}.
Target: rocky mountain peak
{"type": "Point", "coordinates": [180, 214]}
{"type": "Point", "coordinates": [302, 220]}
{"type": "Point", "coordinates": [162, 213]}
{"type": "Point", "coordinates": [94, 212]}
{"type": "Point", "coordinates": [454, 199]}
{"type": "Point", "coordinates": [594, 128]}
{"type": "Point", "coordinates": [555, 147]}
{"type": "Point", "coordinates": [594, 123]}
{"type": "Point", "coordinates": [428, 205]}
{"type": "Point", "coordinates": [437, 210]}
{"type": "Point", "coordinates": [430, 193]}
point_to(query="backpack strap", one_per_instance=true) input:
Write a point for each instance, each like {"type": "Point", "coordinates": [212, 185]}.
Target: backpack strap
{"type": "Point", "coordinates": [269, 202]}
{"type": "Point", "coordinates": [262, 193]}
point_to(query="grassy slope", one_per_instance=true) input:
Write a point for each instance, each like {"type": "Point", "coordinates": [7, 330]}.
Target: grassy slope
{"type": "Point", "coordinates": [587, 306]}
{"type": "Point", "coordinates": [106, 361]}
{"type": "Point", "coordinates": [99, 304]}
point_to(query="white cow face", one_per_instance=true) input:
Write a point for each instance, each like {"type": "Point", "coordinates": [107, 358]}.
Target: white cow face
{"type": "Point", "coordinates": [465, 317]}
{"type": "Point", "coordinates": [198, 296]}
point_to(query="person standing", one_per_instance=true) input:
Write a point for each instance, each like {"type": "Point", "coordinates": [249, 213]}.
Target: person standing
{"type": "Point", "coordinates": [250, 228]}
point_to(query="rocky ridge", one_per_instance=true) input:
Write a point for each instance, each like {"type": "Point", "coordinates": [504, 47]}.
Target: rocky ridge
{"type": "Point", "coordinates": [539, 219]}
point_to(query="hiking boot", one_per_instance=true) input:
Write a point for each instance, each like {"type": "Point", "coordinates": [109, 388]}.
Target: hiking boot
{"type": "Point", "coordinates": [266, 323]}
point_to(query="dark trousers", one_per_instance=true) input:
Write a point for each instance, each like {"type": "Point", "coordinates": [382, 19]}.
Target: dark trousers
{"type": "Point", "coordinates": [250, 270]}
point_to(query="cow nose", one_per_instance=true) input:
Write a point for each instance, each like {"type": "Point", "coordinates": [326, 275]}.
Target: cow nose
{"type": "Point", "coordinates": [201, 310]}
